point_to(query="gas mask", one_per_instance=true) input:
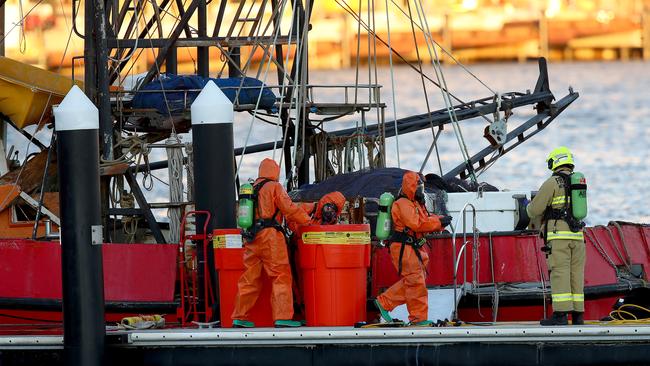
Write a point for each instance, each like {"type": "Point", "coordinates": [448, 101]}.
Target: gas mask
{"type": "Point", "coordinates": [419, 193]}
{"type": "Point", "coordinates": [329, 214]}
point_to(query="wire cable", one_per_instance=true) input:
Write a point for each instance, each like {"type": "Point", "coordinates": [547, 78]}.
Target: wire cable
{"type": "Point", "coordinates": [392, 81]}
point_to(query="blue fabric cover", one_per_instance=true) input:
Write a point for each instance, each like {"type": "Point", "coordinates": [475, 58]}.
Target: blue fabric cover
{"type": "Point", "coordinates": [175, 86]}
{"type": "Point", "coordinates": [366, 183]}
{"type": "Point", "coordinates": [371, 183]}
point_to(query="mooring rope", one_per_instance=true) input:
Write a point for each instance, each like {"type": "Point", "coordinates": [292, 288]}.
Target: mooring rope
{"type": "Point", "coordinates": [175, 169]}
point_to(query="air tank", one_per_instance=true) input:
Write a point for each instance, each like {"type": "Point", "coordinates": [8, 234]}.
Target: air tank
{"type": "Point", "coordinates": [384, 219]}
{"type": "Point", "coordinates": [245, 213]}
{"type": "Point", "coordinates": [578, 195]}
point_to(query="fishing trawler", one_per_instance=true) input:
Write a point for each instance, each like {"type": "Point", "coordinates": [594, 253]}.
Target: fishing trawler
{"type": "Point", "coordinates": [487, 270]}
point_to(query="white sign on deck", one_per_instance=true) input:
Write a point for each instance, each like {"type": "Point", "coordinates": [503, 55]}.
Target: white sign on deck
{"type": "Point", "coordinates": [441, 305]}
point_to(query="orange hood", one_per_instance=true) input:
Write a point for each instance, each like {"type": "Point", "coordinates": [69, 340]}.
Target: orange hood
{"type": "Point", "coordinates": [410, 184]}
{"type": "Point", "coordinates": [269, 169]}
{"type": "Point", "coordinates": [335, 198]}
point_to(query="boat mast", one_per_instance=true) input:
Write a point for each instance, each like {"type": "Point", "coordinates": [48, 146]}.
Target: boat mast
{"type": "Point", "coordinates": [305, 130]}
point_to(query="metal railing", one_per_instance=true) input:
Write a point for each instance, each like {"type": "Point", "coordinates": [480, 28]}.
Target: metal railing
{"type": "Point", "coordinates": [460, 255]}
{"type": "Point", "coordinates": [372, 89]}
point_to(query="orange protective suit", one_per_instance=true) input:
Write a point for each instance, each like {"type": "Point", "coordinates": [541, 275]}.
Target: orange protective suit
{"type": "Point", "coordinates": [411, 288]}
{"type": "Point", "coordinates": [335, 198]}
{"type": "Point", "coordinates": [314, 209]}
{"type": "Point", "coordinates": [268, 250]}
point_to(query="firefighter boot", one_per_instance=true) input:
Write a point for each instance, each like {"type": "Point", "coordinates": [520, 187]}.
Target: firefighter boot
{"type": "Point", "coordinates": [577, 318]}
{"type": "Point", "coordinates": [558, 318]}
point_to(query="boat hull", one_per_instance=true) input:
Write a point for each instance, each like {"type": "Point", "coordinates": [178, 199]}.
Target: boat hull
{"type": "Point", "coordinates": [618, 257]}
{"type": "Point", "coordinates": [138, 278]}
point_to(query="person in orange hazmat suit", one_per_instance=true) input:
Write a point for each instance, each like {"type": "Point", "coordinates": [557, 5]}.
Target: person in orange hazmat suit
{"type": "Point", "coordinates": [268, 250]}
{"type": "Point", "coordinates": [328, 209]}
{"type": "Point", "coordinates": [324, 212]}
{"type": "Point", "coordinates": [411, 221]}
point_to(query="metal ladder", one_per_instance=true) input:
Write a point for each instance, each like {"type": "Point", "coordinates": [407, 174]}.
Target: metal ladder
{"type": "Point", "coordinates": [457, 256]}
{"type": "Point", "coordinates": [188, 274]}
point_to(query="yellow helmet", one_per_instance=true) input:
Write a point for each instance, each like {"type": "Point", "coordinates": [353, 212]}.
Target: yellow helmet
{"type": "Point", "coordinates": [560, 156]}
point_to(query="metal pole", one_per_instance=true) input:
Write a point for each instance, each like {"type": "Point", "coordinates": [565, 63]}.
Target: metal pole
{"type": "Point", "coordinates": [103, 97]}
{"type": "Point", "coordinates": [214, 166]}
{"type": "Point", "coordinates": [77, 124]}
{"type": "Point", "coordinates": [90, 55]}
{"type": "Point", "coordinates": [171, 63]}
{"type": "Point", "coordinates": [202, 53]}
{"type": "Point", "coordinates": [234, 66]}
{"type": "Point", "coordinates": [302, 123]}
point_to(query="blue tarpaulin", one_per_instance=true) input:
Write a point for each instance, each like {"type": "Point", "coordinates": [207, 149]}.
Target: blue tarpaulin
{"type": "Point", "coordinates": [374, 182]}
{"type": "Point", "coordinates": [178, 98]}
{"type": "Point", "coordinates": [371, 183]}
{"type": "Point", "coordinates": [366, 183]}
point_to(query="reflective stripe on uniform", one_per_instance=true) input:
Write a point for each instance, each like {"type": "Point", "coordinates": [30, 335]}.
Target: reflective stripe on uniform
{"type": "Point", "coordinates": [579, 297]}
{"type": "Point", "coordinates": [559, 200]}
{"type": "Point", "coordinates": [567, 296]}
{"type": "Point", "coordinates": [565, 235]}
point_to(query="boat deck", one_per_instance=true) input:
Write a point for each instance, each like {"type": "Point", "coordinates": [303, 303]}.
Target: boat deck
{"type": "Point", "coordinates": [507, 343]}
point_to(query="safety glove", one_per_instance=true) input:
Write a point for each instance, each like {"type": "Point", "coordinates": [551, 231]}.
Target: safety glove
{"type": "Point", "coordinates": [445, 220]}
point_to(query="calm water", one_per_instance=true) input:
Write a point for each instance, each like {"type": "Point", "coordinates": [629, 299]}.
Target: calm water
{"type": "Point", "coordinates": [608, 128]}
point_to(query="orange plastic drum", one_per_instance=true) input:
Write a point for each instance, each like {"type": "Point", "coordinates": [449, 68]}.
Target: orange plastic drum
{"type": "Point", "coordinates": [333, 262]}
{"type": "Point", "coordinates": [229, 261]}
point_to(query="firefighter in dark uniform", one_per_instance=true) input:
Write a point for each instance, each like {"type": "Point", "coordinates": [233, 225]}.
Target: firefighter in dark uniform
{"type": "Point", "coordinates": [564, 241]}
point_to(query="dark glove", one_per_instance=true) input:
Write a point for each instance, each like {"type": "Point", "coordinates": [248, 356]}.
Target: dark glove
{"type": "Point", "coordinates": [445, 220]}
{"type": "Point", "coordinates": [525, 202]}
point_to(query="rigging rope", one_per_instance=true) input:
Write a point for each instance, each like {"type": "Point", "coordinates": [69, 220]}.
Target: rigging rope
{"type": "Point", "coordinates": [358, 59]}
{"type": "Point", "coordinates": [444, 50]}
{"type": "Point", "coordinates": [135, 45]}
{"type": "Point", "coordinates": [259, 96]}
{"type": "Point", "coordinates": [189, 167]}
{"type": "Point", "coordinates": [434, 144]}
{"type": "Point", "coordinates": [446, 95]}
{"type": "Point", "coordinates": [300, 98]}
{"type": "Point", "coordinates": [392, 81]}
{"type": "Point", "coordinates": [175, 170]}
{"type": "Point", "coordinates": [380, 114]}
{"type": "Point", "coordinates": [294, 84]}
{"type": "Point", "coordinates": [285, 79]}
{"type": "Point", "coordinates": [257, 44]}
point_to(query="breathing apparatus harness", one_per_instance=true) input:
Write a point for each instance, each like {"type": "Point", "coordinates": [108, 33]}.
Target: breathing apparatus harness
{"type": "Point", "coordinates": [261, 224]}
{"type": "Point", "coordinates": [566, 212]}
{"type": "Point", "coordinates": [407, 237]}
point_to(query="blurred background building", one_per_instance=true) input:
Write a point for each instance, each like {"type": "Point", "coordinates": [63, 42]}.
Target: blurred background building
{"type": "Point", "coordinates": [473, 30]}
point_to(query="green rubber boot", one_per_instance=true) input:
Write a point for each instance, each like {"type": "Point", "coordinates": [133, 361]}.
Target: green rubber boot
{"type": "Point", "coordinates": [237, 323]}
{"type": "Point", "coordinates": [384, 314]}
{"type": "Point", "coordinates": [424, 323]}
{"type": "Point", "coordinates": [287, 324]}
